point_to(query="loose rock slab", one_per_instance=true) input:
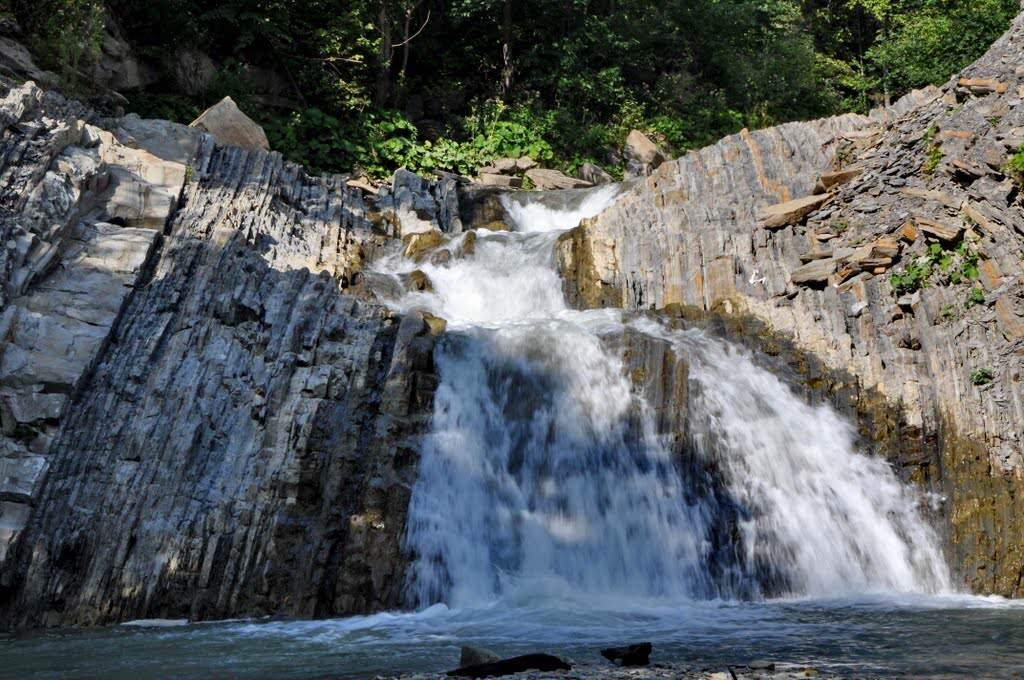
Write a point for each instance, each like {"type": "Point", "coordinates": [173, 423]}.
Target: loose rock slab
{"type": "Point", "coordinates": [230, 127]}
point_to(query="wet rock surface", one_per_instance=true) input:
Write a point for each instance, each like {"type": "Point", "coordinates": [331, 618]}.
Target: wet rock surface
{"type": "Point", "coordinates": [931, 190]}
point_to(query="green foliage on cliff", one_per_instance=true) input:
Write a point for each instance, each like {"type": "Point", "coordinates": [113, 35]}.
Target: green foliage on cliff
{"type": "Point", "coordinates": [450, 83]}
{"type": "Point", "coordinates": [945, 265]}
{"type": "Point", "coordinates": [66, 34]}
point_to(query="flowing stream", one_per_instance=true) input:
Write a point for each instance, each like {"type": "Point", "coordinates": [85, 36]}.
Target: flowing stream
{"type": "Point", "coordinates": [555, 512]}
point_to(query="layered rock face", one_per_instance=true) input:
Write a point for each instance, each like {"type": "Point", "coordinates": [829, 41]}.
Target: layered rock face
{"type": "Point", "coordinates": [222, 426]}
{"type": "Point", "coordinates": [920, 191]}
{"type": "Point", "coordinates": [80, 211]}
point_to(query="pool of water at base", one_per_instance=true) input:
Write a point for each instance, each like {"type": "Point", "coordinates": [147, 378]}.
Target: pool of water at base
{"type": "Point", "coordinates": [885, 636]}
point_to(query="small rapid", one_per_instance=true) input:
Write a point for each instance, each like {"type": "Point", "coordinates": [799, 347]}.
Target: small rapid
{"type": "Point", "coordinates": [545, 476]}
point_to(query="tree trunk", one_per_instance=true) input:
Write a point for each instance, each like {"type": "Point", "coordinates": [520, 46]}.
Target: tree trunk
{"type": "Point", "coordinates": [507, 69]}
{"type": "Point", "coordinates": [384, 56]}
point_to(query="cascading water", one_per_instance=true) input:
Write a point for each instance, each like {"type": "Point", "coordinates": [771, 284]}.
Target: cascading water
{"type": "Point", "coordinates": [556, 510]}
{"type": "Point", "coordinates": [544, 472]}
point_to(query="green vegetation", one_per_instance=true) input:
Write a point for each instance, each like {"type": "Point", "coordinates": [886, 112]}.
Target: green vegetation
{"type": "Point", "coordinates": [931, 163]}
{"type": "Point", "coordinates": [976, 297]}
{"type": "Point", "coordinates": [449, 84]}
{"type": "Point", "coordinates": [982, 376]}
{"type": "Point", "coordinates": [1015, 166]}
{"type": "Point", "coordinates": [948, 266]}
{"type": "Point", "coordinates": [66, 34]}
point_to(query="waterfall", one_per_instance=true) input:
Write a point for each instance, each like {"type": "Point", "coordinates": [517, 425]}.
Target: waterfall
{"type": "Point", "coordinates": [544, 471]}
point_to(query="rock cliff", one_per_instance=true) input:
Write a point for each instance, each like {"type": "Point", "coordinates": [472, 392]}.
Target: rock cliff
{"type": "Point", "coordinates": [890, 249]}
{"type": "Point", "coordinates": [199, 417]}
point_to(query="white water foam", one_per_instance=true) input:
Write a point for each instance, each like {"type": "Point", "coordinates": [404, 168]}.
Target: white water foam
{"type": "Point", "coordinates": [543, 475]}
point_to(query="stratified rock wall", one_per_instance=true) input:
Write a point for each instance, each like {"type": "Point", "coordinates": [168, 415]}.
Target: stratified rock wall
{"type": "Point", "coordinates": [81, 208]}
{"type": "Point", "coordinates": [701, 233]}
{"type": "Point", "coordinates": [228, 431]}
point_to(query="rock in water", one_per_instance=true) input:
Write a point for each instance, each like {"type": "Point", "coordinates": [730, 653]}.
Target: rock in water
{"type": "Point", "coordinates": [517, 664]}
{"type": "Point", "coordinates": [632, 655]}
{"type": "Point", "coordinates": [230, 127]}
{"type": "Point", "coordinates": [476, 656]}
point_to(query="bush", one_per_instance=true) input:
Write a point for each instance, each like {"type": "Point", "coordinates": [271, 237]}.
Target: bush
{"type": "Point", "coordinates": [66, 34]}
{"type": "Point", "coordinates": [951, 266]}
{"type": "Point", "coordinates": [1015, 166]}
{"type": "Point", "coordinates": [379, 143]}
{"type": "Point", "coordinates": [982, 376]}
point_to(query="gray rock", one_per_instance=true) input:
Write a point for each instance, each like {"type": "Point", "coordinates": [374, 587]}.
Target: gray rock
{"type": "Point", "coordinates": [218, 398]}
{"type": "Point", "coordinates": [193, 70]}
{"type": "Point", "coordinates": [229, 126]}
{"type": "Point", "coordinates": [545, 180]}
{"type": "Point", "coordinates": [493, 180]}
{"type": "Point", "coordinates": [474, 656]}
{"type": "Point", "coordinates": [595, 174]}
{"type": "Point", "coordinates": [642, 155]}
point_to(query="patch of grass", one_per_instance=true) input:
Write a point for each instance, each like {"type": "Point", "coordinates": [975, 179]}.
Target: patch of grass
{"type": "Point", "coordinates": [955, 265]}
{"type": "Point", "coordinates": [1015, 166]}
{"type": "Point", "coordinates": [982, 376]}
{"type": "Point", "coordinates": [976, 297]}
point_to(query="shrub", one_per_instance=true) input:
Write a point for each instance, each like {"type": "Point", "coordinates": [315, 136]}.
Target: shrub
{"type": "Point", "coordinates": [1015, 166]}
{"type": "Point", "coordinates": [66, 34]}
{"type": "Point", "coordinates": [982, 376]}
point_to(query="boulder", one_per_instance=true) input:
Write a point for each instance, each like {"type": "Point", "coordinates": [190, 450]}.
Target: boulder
{"type": "Point", "coordinates": [640, 148]}
{"type": "Point", "coordinates": [545, 179]}
{"type": "Point", "coordinates": [595, 174]}
{"type": "Point", "coordinates": [230, 127]}
{"type": "Point", "coordinates": [16, 62]}
{"type": "Point", "coordinates": [524, 163]}
{"type": "Point", "coordinates": [496, 180]}
{"type": "Point", "coordinates": [517, 664]}
{"type": "Point", "coordinates": [505, 164]}
{"type": "Point", "coordinates": [435, 324]}
{"type": "Point", "coordinates": [417, 280]}
{"type": "Point", "coordinates": [418, 244]}
{"type": "Point", "coordinates": [791, 212]}
{"type": "Point", "coordinates": [475, 656]}
{"type": "Point", "coordinates": [631, 655]}
{"type": "Point", "coordinates": [642, 155]}
{"type": "Point", "coordinates": [116, 67]}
